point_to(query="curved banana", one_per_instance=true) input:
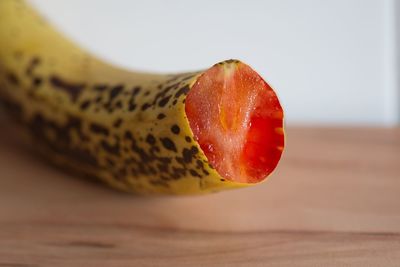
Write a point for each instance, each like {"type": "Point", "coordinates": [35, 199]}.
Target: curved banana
{"type": "Point", "coordinates": [128, 129]}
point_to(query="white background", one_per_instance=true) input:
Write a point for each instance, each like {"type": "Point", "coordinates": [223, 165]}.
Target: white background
{"type": "Point", "coordinates": [331, 62]}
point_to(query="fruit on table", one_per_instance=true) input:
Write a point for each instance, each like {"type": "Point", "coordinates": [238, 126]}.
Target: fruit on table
{"type": "Point", "coordinates": [186, 133]}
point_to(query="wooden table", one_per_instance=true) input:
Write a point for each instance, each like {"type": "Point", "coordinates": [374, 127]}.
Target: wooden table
{"type": "Point", "coordinates": [333, 201]}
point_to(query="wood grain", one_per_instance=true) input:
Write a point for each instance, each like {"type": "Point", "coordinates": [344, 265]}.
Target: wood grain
{"type": "Point", "coordinates": [41, 244]}
{"type": "Point", "coordinates": [334, 200]}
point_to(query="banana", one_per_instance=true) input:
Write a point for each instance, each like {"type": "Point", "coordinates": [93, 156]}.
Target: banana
{"type": "Point", "coordinates": [128, 129]}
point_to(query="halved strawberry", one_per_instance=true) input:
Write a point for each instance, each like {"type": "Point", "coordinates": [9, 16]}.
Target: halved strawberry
{"type": "Point", "coordinates": [237, 120]}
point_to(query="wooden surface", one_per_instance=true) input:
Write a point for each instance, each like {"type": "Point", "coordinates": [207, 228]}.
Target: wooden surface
{"type": "Point", "coordinates": [333, 201]}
